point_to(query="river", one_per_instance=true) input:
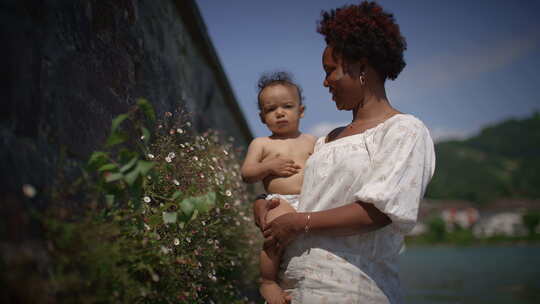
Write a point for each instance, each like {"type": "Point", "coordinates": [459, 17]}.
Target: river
{"type": "Point", "coordinates": [463, 275]}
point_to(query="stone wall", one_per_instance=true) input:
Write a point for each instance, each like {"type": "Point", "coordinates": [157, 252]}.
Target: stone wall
{"type": "Point", "coordinates": [70, 66]}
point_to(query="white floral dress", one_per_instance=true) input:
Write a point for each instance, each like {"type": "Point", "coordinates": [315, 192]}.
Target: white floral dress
{"type": "Point", "coordinates": [389, 166]}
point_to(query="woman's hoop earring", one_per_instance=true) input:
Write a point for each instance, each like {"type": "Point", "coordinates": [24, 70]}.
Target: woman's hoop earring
{"type": "Point", "coordinates": [362, 78]}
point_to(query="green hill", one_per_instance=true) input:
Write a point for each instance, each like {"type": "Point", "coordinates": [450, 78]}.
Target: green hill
{"type": "Point", "coordinates": [502, 161]}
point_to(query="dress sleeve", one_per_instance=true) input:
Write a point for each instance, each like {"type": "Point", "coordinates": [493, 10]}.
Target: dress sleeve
{"type": "Point", "coordinates": [399, 173]}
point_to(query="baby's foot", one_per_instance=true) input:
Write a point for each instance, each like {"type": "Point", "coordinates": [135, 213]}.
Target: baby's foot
{"type": "Point", "coordinates": [272, 293]}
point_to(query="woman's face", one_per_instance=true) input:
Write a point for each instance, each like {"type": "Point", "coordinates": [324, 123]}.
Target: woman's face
{"type": "Point", "coordinates": [347, 91]}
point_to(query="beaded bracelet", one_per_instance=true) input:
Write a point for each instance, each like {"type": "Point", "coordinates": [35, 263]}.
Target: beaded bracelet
{"type": "Point", "coordinates": [306, 228]}
{"type": "Point", "coordinates": [261, 196]}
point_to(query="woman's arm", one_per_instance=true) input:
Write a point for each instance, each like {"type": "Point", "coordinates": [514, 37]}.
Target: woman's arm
{"type": "Point", "coordinates": [354, 218]}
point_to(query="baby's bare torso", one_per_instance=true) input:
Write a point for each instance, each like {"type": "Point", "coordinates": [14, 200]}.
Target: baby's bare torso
{"type": "Point", "coordinates": [298, 149]}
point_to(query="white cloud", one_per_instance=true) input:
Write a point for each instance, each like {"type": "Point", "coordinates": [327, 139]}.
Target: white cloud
{"type": "Point", "coordinates": [323, 128]}
{"type": "Point", "coordinates": [470, 61]}
{"type": "Point", "coordinates": [441, 134]}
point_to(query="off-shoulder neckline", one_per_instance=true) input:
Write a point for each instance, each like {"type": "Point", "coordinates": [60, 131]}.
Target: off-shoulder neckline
{"type": "Point", "coordinates": [366, 131]}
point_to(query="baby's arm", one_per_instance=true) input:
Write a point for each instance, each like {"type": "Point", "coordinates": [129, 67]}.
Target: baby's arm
{"type": "Point", "coordinates": [255, 169]}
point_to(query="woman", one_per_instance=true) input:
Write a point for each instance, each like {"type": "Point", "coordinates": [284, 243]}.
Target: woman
{"type": "Point", "coordinates": [363, 183]}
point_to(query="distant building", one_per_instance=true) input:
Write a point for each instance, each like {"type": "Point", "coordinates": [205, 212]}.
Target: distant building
{"type": "Point", "coordinates": [506, 223]}
{"type": "Point", "coordinates": [462, 217]}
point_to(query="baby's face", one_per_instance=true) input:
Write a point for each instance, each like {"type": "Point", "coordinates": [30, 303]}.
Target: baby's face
{"type": "Point", "coordinates": [281, 109]}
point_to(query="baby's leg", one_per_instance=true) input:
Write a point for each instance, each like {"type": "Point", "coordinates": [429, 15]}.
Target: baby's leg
{"type": "Point", "coordinates": [270, 259]}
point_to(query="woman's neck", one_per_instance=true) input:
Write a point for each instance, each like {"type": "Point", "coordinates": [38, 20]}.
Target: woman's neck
{"type": "Point", "coordinates": [375, 105]}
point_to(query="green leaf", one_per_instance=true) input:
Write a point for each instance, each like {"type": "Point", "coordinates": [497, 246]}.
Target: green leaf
{"type": "Point", "coordinates": [97, 157]}
{"type": "Point", "coordinates": [195, 214]}
{"type": "Point", "coordinates": [167, 206]}
{"type": "Point", "coordinates": [146, 135]}
{"type": "Point", "coordinates": [144, 166]}
{"type": "Point", "coordinates": [131, 177]}
{"type": "Point", "coordinates": [109, 198]}
{"type": "Point", "coordinates": [147, 108]}
{"type": "Point", "coordinates": [205, 203]}
{"type": "Point", "coordinates": [169, 217]}
{"type": "Point", "coordinates": [129, 164]}
{"type": "Point", "coordinates": [117, 121]}
{"type": "Point", "coordinates": [107, 167]}
{"type": "Point", "coordinates": [176, 195]}
{"type": "Point", "coordinates": [154, 220]}
{"type": "Point", "coordinates": [116, 138]}
{"type": "Point", "coordinates": [187, 206]}
{"type": "Point", "coordinates": [113, 177]}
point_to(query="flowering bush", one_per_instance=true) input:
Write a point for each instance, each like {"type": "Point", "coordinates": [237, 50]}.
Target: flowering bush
{"type": "Point", "coordinates": [165, 222]}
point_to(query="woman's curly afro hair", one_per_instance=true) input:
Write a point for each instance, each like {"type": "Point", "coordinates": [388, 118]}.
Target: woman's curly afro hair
{"type": "Point", "coordinates": [365, 31]}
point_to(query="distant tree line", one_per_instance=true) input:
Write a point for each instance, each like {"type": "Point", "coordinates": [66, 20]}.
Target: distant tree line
{"type": "Point", "coordinates": [502, 161]}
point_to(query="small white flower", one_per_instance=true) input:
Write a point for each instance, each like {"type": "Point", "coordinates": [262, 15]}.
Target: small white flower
{"type": "Point", "coordinates": [168, 159]}
{"type": "Point", "coordinates": [142, 137]}
{"type": "Point", "coordinates": [237, 223]}
{"type": "Point", "coordinates": [232, 263]}
{"type": "Point", "coordinates": [176, 182]}
{"type": "Point", "coordinates": [191, 149]}
{"type": "Point", "coordinates": [165, 250]}
{"type": "Point", "coordinates": [199, 264]}
{"type": "Point", "coordinates": [214, 159]}
{"type": "Point", "coordinates": [151, 156]}
{"type": "Point", "coordinates": [203, 223]}
{"type": "Point", "coordinates": [179, 131]}
{"type": "Point", "coordinates": [188, 124]}
{"type": "Point", "coordinates": [225, 152]}
{"type": "Point", "coordinates": [228, 193]}
{"type": "Point", "coordinates": [147, 199]}
{"type": "Point", "coordinates": [186, 144]}
{"type": "Point", "coordinates": [176, 242]}
{"type": "Point", "coordinates": [171, 155]}
{"type": "Point", "coordinates": [188, 240]}
{"type": "Point", "coordinates": [210, 242]}
{"type": "Point", "coordinates": [182, 146]}
{"type": "Point", "coordinates": [155, 277]}
{"type": "Point", "coordinates": [201, 175]}
{"type": "Point", "coordinates": [195, 158]}
{"type": "Point", "coordinates": [211, 167]}
{"type": "Point", "coordinates": [29, 190]}
{"type": "Point", "coordinates": [214, 278]}
{"type": "Point", "coordinates": [146, 226]}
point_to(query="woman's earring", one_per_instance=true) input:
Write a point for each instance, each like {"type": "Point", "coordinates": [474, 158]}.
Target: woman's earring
{"type": "Point", "coordinates": [363, 78]}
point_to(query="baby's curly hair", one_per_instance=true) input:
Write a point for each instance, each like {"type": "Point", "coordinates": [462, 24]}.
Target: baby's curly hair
{"type": "Point", "coordinates": [365, 31]}
{"type": "Point", "coordinates": [279, 77]}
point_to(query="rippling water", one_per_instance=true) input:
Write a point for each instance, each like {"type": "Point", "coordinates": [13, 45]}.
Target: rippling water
{"type": "Point", "coordinates": [471, 275]}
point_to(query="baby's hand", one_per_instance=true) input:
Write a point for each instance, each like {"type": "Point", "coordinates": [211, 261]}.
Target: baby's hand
{"type": "Point", "coordinates": [282, 166]}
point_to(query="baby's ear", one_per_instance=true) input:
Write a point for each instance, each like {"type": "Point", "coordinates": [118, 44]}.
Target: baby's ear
{"type": "Point", "coordinates": [302, 109]}
{"type": "Point", "coordinates": [261, 116]}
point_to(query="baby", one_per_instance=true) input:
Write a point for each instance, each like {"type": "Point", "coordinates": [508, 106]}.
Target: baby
{"type": "Point", "coordinates": [278, 160]}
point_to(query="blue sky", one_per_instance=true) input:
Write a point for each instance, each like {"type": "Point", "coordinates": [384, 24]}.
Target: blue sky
{"type": "Point", "coordinates": [469, 63]}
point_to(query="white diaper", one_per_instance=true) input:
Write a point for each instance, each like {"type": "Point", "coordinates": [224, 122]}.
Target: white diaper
{"type": "Point", "coordinates": [292, 199]}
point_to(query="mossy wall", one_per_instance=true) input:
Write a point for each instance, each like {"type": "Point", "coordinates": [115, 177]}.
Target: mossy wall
{"type": "Point", "coordinates": [70, 66]}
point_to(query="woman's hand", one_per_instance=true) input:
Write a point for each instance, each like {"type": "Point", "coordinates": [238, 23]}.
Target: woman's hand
{"type": "Point", "coordinates": [261, 208]}
{"type": "Point", "coordinates": [283, 229]}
